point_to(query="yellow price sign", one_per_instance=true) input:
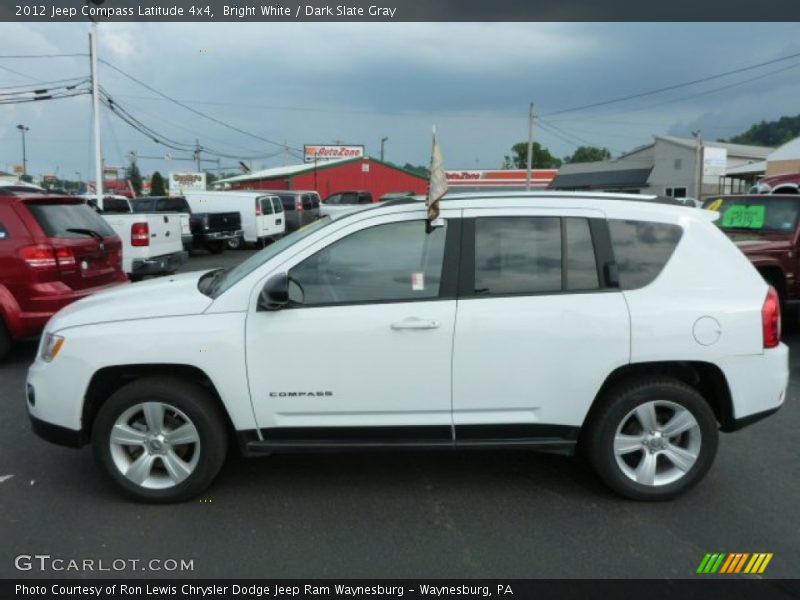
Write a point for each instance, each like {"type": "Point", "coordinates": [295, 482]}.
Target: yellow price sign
{"type": "Point", "coordinates": [715, 205]}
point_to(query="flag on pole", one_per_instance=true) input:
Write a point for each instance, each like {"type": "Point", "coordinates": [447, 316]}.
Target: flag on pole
{"type": "Point", "coordinates": [437, 186]}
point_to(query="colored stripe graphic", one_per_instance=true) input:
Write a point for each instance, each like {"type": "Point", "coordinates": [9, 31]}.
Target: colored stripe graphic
{"type": "Point", "coordinates": [734, 562]}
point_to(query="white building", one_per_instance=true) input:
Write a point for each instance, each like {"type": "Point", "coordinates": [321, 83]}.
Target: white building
{"type": "Point", "coordinates": [670, 166]}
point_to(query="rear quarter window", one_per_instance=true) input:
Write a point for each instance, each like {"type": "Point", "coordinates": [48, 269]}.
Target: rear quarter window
{"type": "Point", "coordinates": [642, 250]}
{"type": "Point", "coordinates": [57, 219]}
{"type": "Point", "coordinates": [287, 201]}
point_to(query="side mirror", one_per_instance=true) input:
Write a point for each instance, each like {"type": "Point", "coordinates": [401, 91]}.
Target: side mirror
{"type": "Point", "coordinates": [275, 294]}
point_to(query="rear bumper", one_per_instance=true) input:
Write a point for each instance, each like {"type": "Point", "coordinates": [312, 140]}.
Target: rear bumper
{"type": "Point", "coordinates": [757, 385]}
{"type": "Point", "coordinates": [159, 264]}
{"type": "Point", "coordinates": [213, 236]}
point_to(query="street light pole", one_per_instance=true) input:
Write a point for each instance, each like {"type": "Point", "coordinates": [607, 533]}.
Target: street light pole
{"type": "Point", "coordinates": [23, 129]}
{"type": "Point", "coordinates": [530, 149]}
{"type": "Point", "coordinates": [383, 141]}
{"type": "Point", "coordinates": [98, 153]}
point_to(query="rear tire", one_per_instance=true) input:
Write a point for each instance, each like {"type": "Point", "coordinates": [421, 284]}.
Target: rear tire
{"type": "Point", "coordinates": [5, 340]}
{"type": "Point", "coordinates": [652, 439]}
{"type": "Point", "coordinates": [161, 439]}
{"type": "Point", "coordinates": [236, 243]}
{"type": "Point", "coordinates": [215, 247]}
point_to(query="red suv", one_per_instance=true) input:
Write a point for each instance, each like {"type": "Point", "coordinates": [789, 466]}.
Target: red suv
{"type": "Point", "coordinates": [53, 250]}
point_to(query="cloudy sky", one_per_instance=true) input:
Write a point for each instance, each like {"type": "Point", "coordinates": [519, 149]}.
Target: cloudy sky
{"type": "Point", "coordinates": [317, 83]}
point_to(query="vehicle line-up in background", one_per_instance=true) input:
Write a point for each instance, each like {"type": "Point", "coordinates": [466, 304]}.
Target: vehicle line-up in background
{"type": "Point", "coordinates": [584, 323]}
{"type": "Point", "coordinates": [345, 202]}
{"type": "Point", "coordinates": [766, 228]}
{"type": "Point", "coordinates": [300, 207]}
{"type": "Point", "coordinates": [212, 230]}
{"type": "Point", "coordinates": [785, 183]}
{"type": "Point", "coordinates": [151, 242]}
{"type": "Point", "coordinates": [168, 204]}
{"type": "Point", "coordinates": [53, 250]}
{"type": "Point", "coordinates": [261, 213]}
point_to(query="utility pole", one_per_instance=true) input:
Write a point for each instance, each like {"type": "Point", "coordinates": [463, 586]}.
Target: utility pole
{"type": "Point", "coordinates": [700, 161]}
{"type": "Point", "coordinates": [23, 129]}
{"type": "Point", "coordinates": [383, 141]}
{"type": "Point", "coordinates": [530, 148]}
{"type": "Point", "coordinates": [197, 154]}
{"type": "Point", "coordinates": [98, 154]}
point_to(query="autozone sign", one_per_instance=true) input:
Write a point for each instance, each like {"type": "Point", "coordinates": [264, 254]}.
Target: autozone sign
{"type": "Point", "coordinates": [318, 153]}
{"type": "Point", "coordinates": [187, 181]}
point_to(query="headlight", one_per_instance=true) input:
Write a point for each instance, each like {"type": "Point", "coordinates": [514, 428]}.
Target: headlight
{"type": "Point", "coordinates": [52, 346]}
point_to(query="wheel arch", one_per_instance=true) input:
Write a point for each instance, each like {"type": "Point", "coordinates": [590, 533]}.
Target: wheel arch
{"type": "Point", "coordinates": [108, 380]}
{"type": "Point", "coordinates": [704, 377]}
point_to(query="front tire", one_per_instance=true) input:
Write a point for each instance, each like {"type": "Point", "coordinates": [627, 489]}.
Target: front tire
{"type": "Point", "coordinates": [161, 439]}
{"type": "Point", "coordinates": [5, 340]}
{"type": "Point", "coordinates": [652, 439]}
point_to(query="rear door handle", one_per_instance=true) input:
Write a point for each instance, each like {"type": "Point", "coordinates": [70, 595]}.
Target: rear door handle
{"type": "Point", "coordinates": [415, 323]}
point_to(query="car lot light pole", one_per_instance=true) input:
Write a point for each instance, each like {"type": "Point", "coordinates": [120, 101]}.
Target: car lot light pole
{"type": "Point", "coordinates": [23, 129]}
{"type": "Point", "coordinates": [383, 141]}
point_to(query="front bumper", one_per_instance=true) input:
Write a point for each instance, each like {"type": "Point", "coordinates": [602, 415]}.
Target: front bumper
{"type": "Point", "coordinates": [159, 264]}
{"type": "Point", "coordinates": [210, 236]}
{"type": "Point", "coordinates": [57, 434]}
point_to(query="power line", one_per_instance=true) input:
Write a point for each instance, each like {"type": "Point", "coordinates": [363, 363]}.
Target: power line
{"type": "Point", "coordinates": [197, 112]}
{"type": "Point", "coordinates": [673, 87]}
{"type": "Point", "coordinates": [14, 56]}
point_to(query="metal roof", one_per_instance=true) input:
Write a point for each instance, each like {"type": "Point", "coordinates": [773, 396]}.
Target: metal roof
{"type": "Point", "coordinates": [276, 172]}
{"type": "Point", "coordinates": [603, 179]}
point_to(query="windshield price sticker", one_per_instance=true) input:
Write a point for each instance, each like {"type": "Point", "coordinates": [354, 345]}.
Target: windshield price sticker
{"type": "Point", "coordinates": [744, 217]}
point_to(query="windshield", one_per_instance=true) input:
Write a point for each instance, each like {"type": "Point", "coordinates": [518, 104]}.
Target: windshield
{"type": "Point", "coordinates": [217, 282]}
{"type": "Point", "coordinates": [756, 213]}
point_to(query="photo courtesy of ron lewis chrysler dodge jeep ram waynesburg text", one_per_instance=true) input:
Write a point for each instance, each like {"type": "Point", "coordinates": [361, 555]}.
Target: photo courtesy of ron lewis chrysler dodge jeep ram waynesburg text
{"type": "Point", "coordinates": [564, 322]}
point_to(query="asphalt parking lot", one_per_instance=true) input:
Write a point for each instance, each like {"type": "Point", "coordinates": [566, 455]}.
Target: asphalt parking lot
{"type": "Point", "coordinates": [495, 514]}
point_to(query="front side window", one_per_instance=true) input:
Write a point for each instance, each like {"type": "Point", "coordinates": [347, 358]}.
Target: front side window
{"type": "Point", "coordinates": [335, 199]}
{"type": "Point", "coordinates": [533, 255]}
{"type": "Point", "coordinates": [641, 250]}
{"type": "Point", "coordinates": [392, 262]}
{"type": "Point", "coordinates": [3, 232]}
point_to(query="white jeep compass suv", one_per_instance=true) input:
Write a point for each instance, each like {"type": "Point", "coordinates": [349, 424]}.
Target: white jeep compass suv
{"type": "Point", "coordinates": [629, 331]}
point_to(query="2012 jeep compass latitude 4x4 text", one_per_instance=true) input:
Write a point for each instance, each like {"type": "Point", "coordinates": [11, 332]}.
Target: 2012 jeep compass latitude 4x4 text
{"type": "Point", "coordinates": [629, 331]}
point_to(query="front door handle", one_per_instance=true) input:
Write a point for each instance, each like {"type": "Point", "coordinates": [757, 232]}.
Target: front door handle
{"type": "Point", "coordinates": [415, 323]}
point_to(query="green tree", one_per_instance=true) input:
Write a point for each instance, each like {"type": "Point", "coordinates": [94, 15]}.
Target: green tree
{"type": "Point", "coordinates": [769, 133]}
{"type": "Point", "coordinates": [418, 169]}
{"type": "Point", "coordinates": [134, 175]}
{"type": "Point", "coordinates": [26, 178]}
{"type": "Point", "coordinates": [210, 179]}
{"type": "Point", "coordinates": [540, 159]}
{"type": "Point", "coordinates": [588, 154]}
{"type": "Point", "coordinates": [157, 187]}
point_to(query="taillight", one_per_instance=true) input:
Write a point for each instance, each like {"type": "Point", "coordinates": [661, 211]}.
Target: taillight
{"type": "Point", "coordinates": [65, 257]}
{"type": "Point", "coordinates": [298, 204]}
{"type": "Point", "coordinates": [771, 319]}
{"type": "Point", "coordinates": [140, 234]}
{"type": "Point", "coordinates": [39, 256]}
{"type": "Point", "coordinates": [42, 256]}
{"type": "Point", "coordinates": [258, 209]}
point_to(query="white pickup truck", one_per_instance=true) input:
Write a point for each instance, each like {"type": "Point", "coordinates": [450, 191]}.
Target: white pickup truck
{"type": "Point", "coordinates": [151, 242]}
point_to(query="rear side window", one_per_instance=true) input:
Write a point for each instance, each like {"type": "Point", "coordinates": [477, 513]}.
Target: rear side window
{"type": "Point", "coordinates": [266, 205]}
{"type": "Point", "coordinates": [116, 206]}
{"type": "Point", "coordinates": [533, 255]}
{"type": "Point", "coordinates": [288, 201]}
{"type": "Point", "coordinates": [365, 198]}
{"type": "Point", "coordinates": [57, 219]}
{"type": "Point", "coordinates": [641, 250]}
{"type": "Point", "coordinates": [335, 199]}
{"type": "Point", "coordinates": [173, 205]}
